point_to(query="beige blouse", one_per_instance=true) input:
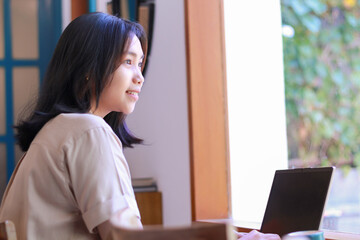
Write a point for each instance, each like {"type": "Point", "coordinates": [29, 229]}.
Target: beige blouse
{"type": "Point", "coordinates": [73, 178]}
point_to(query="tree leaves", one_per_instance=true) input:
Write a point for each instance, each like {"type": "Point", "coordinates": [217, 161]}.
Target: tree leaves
{"type": "Point", "coordinates": [322, 81]}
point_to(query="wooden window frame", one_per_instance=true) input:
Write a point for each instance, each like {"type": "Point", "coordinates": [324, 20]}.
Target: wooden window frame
{"type": "Point", "coordinates": [207, 99]}
{"type": "Point", "coordinates": [208, 118]}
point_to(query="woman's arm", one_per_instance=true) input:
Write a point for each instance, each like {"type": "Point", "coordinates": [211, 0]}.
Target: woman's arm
{"type": "Point", "coordinates": [124, 218]}
{"type": "Point", "coordinates": [104, 229]}
{"type": "Point", "coordinates": [255, 235]}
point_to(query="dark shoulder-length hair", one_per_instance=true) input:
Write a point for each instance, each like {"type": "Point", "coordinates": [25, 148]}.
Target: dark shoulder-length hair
{"type": "Point", "coordinates": [86, 56]}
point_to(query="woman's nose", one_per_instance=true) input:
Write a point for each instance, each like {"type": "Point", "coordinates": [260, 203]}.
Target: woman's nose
{"type": "Point", "coordinates": [138, 78]}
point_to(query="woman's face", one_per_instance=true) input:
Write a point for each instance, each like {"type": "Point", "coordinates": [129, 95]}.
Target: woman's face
{"type": "Point", "coordinates": [122, 92]}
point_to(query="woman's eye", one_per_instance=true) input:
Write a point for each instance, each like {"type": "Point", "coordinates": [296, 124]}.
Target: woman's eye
{"type": "Point", "coordinates": [140, 64]}
{"type": "Point", "coordinates": [128, 61]}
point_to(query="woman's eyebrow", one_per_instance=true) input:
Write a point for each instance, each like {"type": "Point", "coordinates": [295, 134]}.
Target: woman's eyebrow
{"type": "Point", "coordinates": [134, 54]}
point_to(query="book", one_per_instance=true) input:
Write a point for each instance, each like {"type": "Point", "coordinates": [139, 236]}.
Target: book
{"type": "Point", "coordinates": [152, 188]}
{"type": "Point", "coordinates": [143, 182]}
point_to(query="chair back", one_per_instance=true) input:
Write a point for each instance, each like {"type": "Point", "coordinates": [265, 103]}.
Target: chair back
{"type": "Point", "coordinates": [7, 230]}
{"type": "Point", "coordinates": [196, 231]}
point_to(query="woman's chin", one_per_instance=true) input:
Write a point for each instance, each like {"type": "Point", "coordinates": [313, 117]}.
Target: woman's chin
{"type": "Point", "coordinates": [128, 111]}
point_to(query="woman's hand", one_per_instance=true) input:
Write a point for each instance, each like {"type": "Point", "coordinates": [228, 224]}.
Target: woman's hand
{"type": "Point", "coordinates": [255, 235]}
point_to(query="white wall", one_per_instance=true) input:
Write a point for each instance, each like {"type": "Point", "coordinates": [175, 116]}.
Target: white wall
{"type": "Point", "coordinates": [161, 116]}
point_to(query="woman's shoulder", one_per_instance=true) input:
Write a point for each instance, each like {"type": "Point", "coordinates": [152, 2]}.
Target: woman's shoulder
{"type": "Point", "coordinates": [79, 120]}
{"type": "Point", "coordinates": [74, 124]}
{"type": "Point", "coordinates": [73, 132]}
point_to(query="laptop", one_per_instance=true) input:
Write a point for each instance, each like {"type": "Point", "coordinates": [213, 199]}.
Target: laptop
{"type": "Point", "coordinates": [297, 200]}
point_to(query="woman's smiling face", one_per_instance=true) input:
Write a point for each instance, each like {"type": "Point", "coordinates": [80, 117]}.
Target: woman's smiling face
{"type": "Point", "coordinates": [122, 92]}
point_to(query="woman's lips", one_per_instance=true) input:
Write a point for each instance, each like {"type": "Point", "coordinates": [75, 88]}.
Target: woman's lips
{"type": "Point", "coordinates": [134, 94]}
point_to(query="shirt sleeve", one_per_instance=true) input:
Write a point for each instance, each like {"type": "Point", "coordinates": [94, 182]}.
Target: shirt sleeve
{"type": "Point", "coordinates": [100, 176]}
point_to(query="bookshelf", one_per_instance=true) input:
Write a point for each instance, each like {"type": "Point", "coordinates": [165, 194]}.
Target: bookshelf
{"type": "Point", "coordinates": [150, 206]}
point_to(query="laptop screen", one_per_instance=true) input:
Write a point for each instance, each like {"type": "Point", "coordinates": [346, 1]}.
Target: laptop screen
{"type": "Point", "coordinates": [297, 200]}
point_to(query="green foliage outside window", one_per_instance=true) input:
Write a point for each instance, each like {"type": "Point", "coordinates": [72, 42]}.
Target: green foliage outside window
{"type": "Point", "coordinates": [322, 81]}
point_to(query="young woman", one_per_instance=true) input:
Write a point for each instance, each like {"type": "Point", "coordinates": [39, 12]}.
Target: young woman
{"type": "Point", "coordinates": [74, 176]}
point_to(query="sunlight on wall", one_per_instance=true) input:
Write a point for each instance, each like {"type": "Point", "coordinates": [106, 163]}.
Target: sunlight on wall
{"type": "Point", "coordinates": [256, 103]}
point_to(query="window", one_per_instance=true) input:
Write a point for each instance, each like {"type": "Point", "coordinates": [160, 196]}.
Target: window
{"type": "Point", "coordinates": [256, 103]}
{"type": "Point", "coordinates": [322, 81]}
{"type": "Point", "coordinates": [293, 85]}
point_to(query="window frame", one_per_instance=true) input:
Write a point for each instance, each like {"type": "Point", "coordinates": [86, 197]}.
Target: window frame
{"type": "Point", "coordinates": [207, 99]}
{"type": "Point", "coordinates": [207, 96]}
